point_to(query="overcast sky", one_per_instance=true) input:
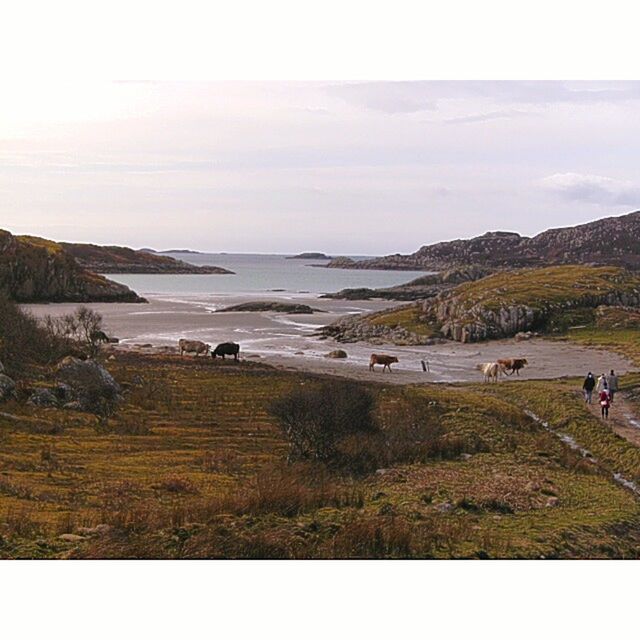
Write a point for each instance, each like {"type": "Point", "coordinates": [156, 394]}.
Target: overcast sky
{"type": "Point", "coordinates": [360, 168]}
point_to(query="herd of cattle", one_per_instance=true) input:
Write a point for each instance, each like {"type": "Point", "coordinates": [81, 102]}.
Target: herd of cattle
{"type": "Point", "coordinates": [490, 370]}
{"type": "Point", "coordinates": [198, 347]}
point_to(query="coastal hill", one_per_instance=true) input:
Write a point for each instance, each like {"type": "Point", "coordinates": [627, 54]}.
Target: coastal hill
{"type": "Point", "coordinates": [38, 270]}
{"type": "Point", "coordinates": [609, 241]}
{"type": "Point", "coordinates": [110, 259]}
{"type": "Point", "coordinates": [501, 305]}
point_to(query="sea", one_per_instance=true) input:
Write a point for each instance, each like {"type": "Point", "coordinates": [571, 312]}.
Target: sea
{"type": "Point", "coordinates": [277, 275]}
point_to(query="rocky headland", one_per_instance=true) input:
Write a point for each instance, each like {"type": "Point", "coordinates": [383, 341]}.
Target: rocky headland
{"type": "Point", "coordinates": [107, 259]}
{"type": "Point", "coordinates": [501, 305]}
{"type": "Point", "coordinates": [37, 270]}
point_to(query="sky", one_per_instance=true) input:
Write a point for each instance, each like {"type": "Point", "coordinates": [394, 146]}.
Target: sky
{"type": "Point", "coordinates": [361, 168]}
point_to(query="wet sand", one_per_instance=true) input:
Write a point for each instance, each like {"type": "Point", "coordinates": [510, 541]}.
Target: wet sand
{"type": "Point", "coordinates": [288, 341]}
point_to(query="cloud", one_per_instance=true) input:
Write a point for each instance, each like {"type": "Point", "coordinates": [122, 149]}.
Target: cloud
{"type": "Point", "coordinates": [416, 96]}
{"type": "Point", "coordinates": [577, 187]}
{"type": "Point", "coordinates": [388, 97]}
{"type": "Point", "coordinates": [484, 117]}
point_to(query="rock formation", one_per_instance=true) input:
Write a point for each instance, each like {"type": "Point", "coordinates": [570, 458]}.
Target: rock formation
{"type": "Point", "coordinates": [38, 270]}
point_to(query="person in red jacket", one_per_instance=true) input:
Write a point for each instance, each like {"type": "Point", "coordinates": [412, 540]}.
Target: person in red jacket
{"type": "Point", "coordinates": [605, 401]}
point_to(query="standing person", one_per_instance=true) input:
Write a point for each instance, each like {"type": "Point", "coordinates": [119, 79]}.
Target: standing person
{"type": "Point", "coordinates": [602, 383]}
{"type": "Point", "coordinates": [605, 401]}
{"type": "Point", "coordinates": [588, 386]}
{"type": "Point", "coordinates": [612, 382]}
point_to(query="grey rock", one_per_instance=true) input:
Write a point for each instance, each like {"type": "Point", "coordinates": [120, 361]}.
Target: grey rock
{"type": "Point", "coordinates": [336, 354]}
{"type": "Point", "coordinates": [7, 387]}
{"type": "Point", "coordinates": [90, 385]}
{"type": "Point", "coordinates": [445, 507]}
{"type": "Point", "coordinates": [43, 398]}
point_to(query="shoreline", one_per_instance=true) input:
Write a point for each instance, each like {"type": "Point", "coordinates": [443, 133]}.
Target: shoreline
{"type": "Point", "coordinates": [292, 341]}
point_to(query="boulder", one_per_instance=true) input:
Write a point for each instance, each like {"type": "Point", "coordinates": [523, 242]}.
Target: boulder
{"type": "Point", "coordinates": [337, 353]}
{"type": "Point", "coordinates": [7, 387]}
{"type": "Point", "coordinates": [43, 398]}
{"type": "Point", "coordinates": [89, 384]}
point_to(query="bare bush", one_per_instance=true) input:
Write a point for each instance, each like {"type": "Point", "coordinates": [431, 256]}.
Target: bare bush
{"type": "Point", "coordinates": [316, 418]}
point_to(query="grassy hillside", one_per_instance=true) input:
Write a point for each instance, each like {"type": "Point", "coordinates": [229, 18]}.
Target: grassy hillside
{"type": "Point", "coordinates": [194, 466]}
{"type": "Point", "coordinates": [570, 285]}
{"type": "Point", "coordinates": [550, 299]}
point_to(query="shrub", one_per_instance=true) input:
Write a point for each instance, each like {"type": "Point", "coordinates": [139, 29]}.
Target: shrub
{"type": "Point", "coordinates": [315, 419]}
{"type": "Point", "coordinates": [25, 342]}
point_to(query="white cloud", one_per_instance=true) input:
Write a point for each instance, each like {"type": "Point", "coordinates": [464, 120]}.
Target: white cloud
{"type": "Point", "coordinates": [594, 189]}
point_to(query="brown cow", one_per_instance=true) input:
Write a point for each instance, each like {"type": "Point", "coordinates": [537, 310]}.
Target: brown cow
{"type": "Point", "coordinates": [193, 346]}
{"type": "Point", "coordinates": [512, 364]}
{"type": "Point", "coordinates": [385, 361]}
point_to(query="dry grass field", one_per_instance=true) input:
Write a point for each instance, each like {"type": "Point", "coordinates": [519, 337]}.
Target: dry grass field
{"type": "Point", "coordinates": [194, 466]}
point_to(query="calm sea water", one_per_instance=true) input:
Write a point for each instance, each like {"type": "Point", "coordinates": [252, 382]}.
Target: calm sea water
{"type": "Point", "coordinates": [260, 273]}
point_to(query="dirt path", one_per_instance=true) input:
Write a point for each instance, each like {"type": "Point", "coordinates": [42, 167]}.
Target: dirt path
{"type": "Point", "coordinates": [622, 418]}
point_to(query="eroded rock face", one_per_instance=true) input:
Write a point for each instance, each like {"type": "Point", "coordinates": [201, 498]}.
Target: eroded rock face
{"type": "Point", "coordinates": [464, 323]}
{"type": "Point", "coordinates": [88, 384]}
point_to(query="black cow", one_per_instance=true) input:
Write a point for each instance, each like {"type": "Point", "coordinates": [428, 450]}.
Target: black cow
{"type": "Point", "coordinates": [98, 336]}
{"type": "Point", "coordinates": [226, 349]}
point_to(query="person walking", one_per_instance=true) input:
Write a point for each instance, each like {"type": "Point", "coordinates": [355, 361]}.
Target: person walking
{"type": "Point", "coordinates": [612, 383]}
{"type": "Point", "coordinates": [588, 386]}
{"type": "Point", "coordinates": [605, 401]}
{"type": "Point", "coordinates": [602, 383]}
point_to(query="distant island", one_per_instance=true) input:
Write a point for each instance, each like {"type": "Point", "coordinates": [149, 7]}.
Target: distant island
{"type": "Point", "coordinates": [310, 255]}
{"type": "Point", "coordinates": [181, 251]}
{"type": "Point", "coordinates": [112, 259]}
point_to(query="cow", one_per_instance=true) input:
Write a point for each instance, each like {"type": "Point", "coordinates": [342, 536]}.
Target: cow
{"type": "Point", "coordinates": [193, 346]}
{"type": "Point", "coordinates": [226, 349]}
{"type": "Point", "coordinates": [385, 361]}
{"type": "Point", "coordinates": [490, 370]}
{"type": "Point", "coordinates": [98, 336]}
{"type": "Point", "coordinates": [512, 364]}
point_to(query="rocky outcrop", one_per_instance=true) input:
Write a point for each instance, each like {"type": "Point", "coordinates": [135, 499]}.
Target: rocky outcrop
{"type": "Point", "coordinates": [505, 304]}
{"type": "Point", "coordinates": [468, 316]}
{"type": "Point", "coordinates": [421, 288]}
{"type": "Point", "coordinates": [582, 244]}
{"type": "Point", "coordinates": [101, 259]}
{"type": "Point", "coordinates": [342, 262]}
{"type": "Point", "coordinates": [7, 387]}
{"type": "Point", "coordinates": [336, 354]}
{"type": "Point", "coordinates": [279, 307]}
{"type": "Point", "coordinates": [38, 270]}
{"type": "Point", "coordinates": [365, 329]}
{"type": "Point", "coordinates": [87, 386]}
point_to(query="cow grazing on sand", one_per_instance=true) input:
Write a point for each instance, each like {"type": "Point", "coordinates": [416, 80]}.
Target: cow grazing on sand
{"type": "Point", "coordinates": [490, 371]}
{"type": "Point", "coordinates": [385, 361]}
{"type": "Point", "coordinates": [226, 349]}
{"type": "Point", "coordinates": [193, 346]}
{"type": "Point", "coordinates": [512, 364]}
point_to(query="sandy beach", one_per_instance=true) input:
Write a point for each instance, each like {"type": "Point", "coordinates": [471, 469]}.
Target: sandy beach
{"type": "Point", "coordinates": [288, 341]}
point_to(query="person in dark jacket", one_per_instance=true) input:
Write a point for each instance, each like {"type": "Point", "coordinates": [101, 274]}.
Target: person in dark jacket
{"type": "Point", "coordinates": [588, 387]}
{"type": "Point", "coordinates": [612, 383]}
